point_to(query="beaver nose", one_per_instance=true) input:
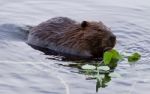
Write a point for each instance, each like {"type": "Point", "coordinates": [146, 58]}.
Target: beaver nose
{"type": "Point", "coordinates": [112, 38]}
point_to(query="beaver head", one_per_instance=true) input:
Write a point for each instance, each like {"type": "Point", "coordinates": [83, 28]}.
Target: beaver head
{"type": "Point", "coordinates": [98, 37]}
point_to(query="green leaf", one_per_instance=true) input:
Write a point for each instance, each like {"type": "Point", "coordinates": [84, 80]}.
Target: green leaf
{"type": "Point", "coordinates": [113, 63]}
{"type": "Point", "coordinates": [112, 54]}
{"type": "Point", "coordinates": [134, 57]}
{"type": "Point", "coordinates": [114, 75]}
{"type": "Point", "coordinates": [88, 67]}
{"type": "Point", "coordinates": [105, 68]}
{"type": "Point", "coordinates": [116, 54]}
{"type": "Point", "coordinates": [100, 76]}
{"type": "Point", "coordinates": [107, 57]}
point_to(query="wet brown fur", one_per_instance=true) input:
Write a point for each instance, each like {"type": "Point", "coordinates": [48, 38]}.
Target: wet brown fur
{"type": "Point", "coordinates": [86, 39]}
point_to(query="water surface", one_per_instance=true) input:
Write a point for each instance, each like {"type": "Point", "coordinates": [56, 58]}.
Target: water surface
{"type": "Point", "coordinates": [27, 71]}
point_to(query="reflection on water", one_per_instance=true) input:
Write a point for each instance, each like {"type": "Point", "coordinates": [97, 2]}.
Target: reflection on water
{"type": "Point", "coordinates": [27, 71]}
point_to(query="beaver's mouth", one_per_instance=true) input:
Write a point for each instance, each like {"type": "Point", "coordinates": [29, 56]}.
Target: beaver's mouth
{"type": "Point", "coordinates": [108, 48]}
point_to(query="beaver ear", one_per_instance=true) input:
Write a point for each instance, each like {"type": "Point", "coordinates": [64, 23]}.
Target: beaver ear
{"type": "Point", "coordinates": [84, 24]}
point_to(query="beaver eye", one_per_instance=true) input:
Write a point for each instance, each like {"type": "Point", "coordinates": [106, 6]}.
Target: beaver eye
{"type": "Point", "coordinates": [100, 30]}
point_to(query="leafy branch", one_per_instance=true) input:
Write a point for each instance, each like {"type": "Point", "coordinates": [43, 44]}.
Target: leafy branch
{"type": "Point", "coordinates": [103, 70]}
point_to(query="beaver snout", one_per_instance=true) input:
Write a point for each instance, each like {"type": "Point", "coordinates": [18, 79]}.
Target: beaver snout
{"type": "Point", "coordinates": [110, 42]}
{"type": "Point", "coordinates": [112, 39]}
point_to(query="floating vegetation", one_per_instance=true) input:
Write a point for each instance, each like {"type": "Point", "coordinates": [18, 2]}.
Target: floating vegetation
{"type": "Point", "coordinates": [102, 71]}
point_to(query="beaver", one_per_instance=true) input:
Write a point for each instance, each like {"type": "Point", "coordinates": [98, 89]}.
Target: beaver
{"type": "Point", "coordinates": [88, 39]}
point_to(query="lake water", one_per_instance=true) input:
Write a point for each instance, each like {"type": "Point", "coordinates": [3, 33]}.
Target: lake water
{"type": "Point", "coordinates": [24, 70]}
